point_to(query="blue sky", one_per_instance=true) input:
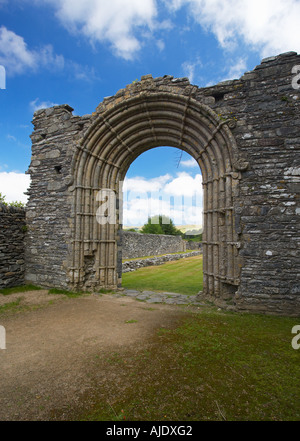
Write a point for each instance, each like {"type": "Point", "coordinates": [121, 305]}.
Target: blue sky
{"type": "Point", "coordinates": [78, 52]}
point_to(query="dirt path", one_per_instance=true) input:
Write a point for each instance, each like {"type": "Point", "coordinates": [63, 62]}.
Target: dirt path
{"type": "Point", "coordinates": [48, 363]}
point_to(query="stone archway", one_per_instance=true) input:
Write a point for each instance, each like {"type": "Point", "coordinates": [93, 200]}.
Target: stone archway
{"type": "Point", "coordinates": [251, 213]}
{"type": "Point", "coordinates": [127, 127]}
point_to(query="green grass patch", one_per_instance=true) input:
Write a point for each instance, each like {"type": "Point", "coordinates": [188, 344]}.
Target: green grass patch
{"type": "Point", "coordinates": [184, 276]}
{"type": "Point", "coordinates": [10, 307]}
{"type": "Point", "coordinates": [65, 292]}
{"type": "Point", "coordinates": [213, 366]}
{"type": "Point", "coordinates": [15, 289]}
{"type": "Point", "coordinates": [105, 291]}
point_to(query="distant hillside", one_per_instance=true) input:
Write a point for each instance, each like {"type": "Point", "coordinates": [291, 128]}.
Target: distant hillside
{"type": "Point", "coordinates": [192, 230]}
{"type": "Point", "coordinates": [137, 229]}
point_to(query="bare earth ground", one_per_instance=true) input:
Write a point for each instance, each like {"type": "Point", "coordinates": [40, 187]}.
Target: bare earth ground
{"type": "Point", "coordinates": [50, 351]}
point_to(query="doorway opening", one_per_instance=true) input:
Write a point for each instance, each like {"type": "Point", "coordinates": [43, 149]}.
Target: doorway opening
{"type": "Point", "coordinates": [118, 135]}
{"type": "Point", "coordinates": [163, 215]}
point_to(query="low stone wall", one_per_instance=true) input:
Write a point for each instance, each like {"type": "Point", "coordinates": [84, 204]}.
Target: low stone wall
{"type": "Point", "coordinates": [190, 245]}
{"type": "Point", "coordinates": [12, 232]}
{"type": "Point", "coordinates": [133, 265]}
{"type": "Point", "coordinates": [141, 245]}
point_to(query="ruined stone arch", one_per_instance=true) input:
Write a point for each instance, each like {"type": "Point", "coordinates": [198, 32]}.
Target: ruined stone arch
{"type": "Point", "coordinates": [117, 136]}
{"type": "Point", "coordinates": [250, 172]}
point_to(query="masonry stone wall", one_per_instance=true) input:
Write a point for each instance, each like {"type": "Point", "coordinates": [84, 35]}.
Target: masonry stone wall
{"type": "Point", "coordinates": [49, 209]}
{"type": "Point", "coordinates": [140, 245]}
{"type": "Point", "coordinates": [12, 231]}
{"type": "Point", "coordinates": [133, 265]}
{"type": "Point", "coordinates": [191, 245]}
{"type": "Point", "coordinates": [264, 112]}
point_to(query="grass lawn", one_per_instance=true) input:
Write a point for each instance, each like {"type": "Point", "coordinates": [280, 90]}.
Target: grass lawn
{"type": "Point", "coordinates": [23, 288]}
{"type": "Point", "coordinates": [213, 366]}
{"type": "Point", "coordinates": [182, 276]}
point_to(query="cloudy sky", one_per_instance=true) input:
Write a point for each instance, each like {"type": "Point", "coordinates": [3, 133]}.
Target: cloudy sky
{"type": "Point", "coordinates": [79, 51]}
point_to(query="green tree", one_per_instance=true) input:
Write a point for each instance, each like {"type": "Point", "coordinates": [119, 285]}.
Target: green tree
{"type": "Point", "coordinates": [193, 238]}
{"type": "Point", "coordinates": [160, 224]}
{"type": "Point", "coordinates": [12, 204]}
{"type": "Point", "coordinates": [2, 199]}
{"type": "Point", "coordinates": [152, 227]}
{"type": "Point", "coordinates": [18, 204]}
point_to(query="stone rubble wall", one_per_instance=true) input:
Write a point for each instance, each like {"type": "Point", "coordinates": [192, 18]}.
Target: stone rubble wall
{"type": "Point", "coordinates": [190, 245]}
{"type": "Point", "coordinates": [140, 245]}
{"type": "Point", "coordinates": [133, 265]}
{"type": "Point", "coordinates": [12, 258]}
{"type": "Point", "coordinates": [49, 209]}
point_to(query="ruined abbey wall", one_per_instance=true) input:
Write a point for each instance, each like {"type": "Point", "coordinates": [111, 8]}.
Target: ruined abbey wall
{"type": "Point", "coordinates": [12, 250]}
{"type": "Point", "coordinates": [140, 245]}
{"type": "Point", "coordinates": [264, 110]}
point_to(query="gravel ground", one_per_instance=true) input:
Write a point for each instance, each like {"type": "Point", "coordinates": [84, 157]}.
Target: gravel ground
{"type": "Point", "coordinates": [52, 340]}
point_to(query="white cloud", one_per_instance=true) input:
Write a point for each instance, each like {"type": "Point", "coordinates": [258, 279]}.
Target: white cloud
{"type": "Point", "coordinates": [237, 69]}
{"type": "Point", "coordinates": [233, 71]}
{"type": "Point", "coordinates": [11, 138]}
{"type": "Point", "coordinates": [160, 44]}
{"type": "Point", "coordinates": [117, 22]}
{"type": "Point", "coordinates": [142, 185]}
{"type": "Point", "coordinates": [47, 57]}
{"type": "Point", "coordinates": [179, 198]}
{"type": "Point", "coordinates": [189, 68]}
{"type": "Point", "coordinates": [13, 185]}
{"type": "Point", "coordinates": [184, 185]}
{"type": "Point", "coordinates": [37, 104]}
{"type": "Point", "coordinates": [17, 58]}
{"type": "Point", "coordinates": [14, 54]}
{"type": "Point", "coordinates": [137, 211]}
{"type": "Point", "coordinates": [81, 73]}
{"type": "Point", "coordinates": [189, 163]}
{"type": "Point", "coordinates": [269, 26]}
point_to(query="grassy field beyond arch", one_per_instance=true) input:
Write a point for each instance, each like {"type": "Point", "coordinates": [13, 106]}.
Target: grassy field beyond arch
{"type": "Point", "coordinates": [184, 276]}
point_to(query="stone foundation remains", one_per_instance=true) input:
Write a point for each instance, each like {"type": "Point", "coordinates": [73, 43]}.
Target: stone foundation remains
{"type": "Point", "coordinates": [133, 265]}
{"type": "Point", "coordinates": [190, 245]}
{"type": "Point", "coordinates": [140, 245]}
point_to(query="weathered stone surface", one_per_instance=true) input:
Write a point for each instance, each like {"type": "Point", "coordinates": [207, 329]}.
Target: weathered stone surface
{"type": "Point", "coordinates": [167, 298]}
{"type": "Point", "coordinates": [12, 231]}
{"type": "Point", "coordinates": [194, 245]}
{"type": "Point", "coordinates": [245, 134]}
{"type": "Point", "coordinates": [139, 245]}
